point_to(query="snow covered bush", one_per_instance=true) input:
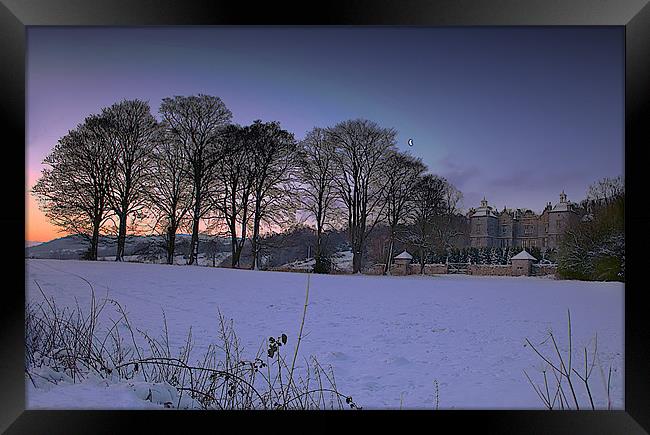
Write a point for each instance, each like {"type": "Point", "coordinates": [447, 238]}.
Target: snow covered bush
{"type": "Point", "coordinates": [594, 250]}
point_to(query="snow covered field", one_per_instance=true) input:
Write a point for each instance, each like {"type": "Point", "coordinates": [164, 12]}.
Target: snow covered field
{"type": "Point", "coordinates": [387, 338]}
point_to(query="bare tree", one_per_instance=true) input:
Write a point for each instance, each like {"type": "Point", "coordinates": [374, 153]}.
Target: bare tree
{"type": "Point", "coordinates": [197, 122]}
{"type": "Point", "coordinates": [316, 185]}
{"type": "Point", "coordinates": [232, 188]}
{"type": "Point", "coordinates": [446, 226]}
{"type": "Point", "coordinates": [606, 190]}
{"type": "Point", "coordinates": [361, 148]}
{"type": "Point", "coordinates": [402, 171]}
{"type": "Point", "coordinates": [73, 192]}
{"type": "Point", "coordinates": [133, 130]}
{"type": "Point", "coordinates": [169, 192]}
{"type": "Point", "coordinates": [272, 166]}
{"type": "Point", "coordinates": [428, 204]}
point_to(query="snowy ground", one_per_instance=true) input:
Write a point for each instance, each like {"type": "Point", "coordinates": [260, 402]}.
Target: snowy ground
{"type": "Point", "coordinates": [387, 338]}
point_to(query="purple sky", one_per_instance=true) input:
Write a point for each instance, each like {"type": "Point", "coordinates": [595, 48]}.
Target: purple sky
{"type": "Point", "coordinates": [515, 114]}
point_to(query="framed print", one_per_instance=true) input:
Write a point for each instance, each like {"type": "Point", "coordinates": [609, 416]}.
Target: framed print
{"type": "Point", "coordinates": [367, 210]}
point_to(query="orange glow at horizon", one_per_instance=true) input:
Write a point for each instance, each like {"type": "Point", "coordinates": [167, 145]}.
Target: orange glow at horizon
{"type": "Point", "coordinates": [38, 228]}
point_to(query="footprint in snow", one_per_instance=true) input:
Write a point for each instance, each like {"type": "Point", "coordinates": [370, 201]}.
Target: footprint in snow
{"type": "Point", "coordinates": [339, 355]}
{"type": "Point", "coordinates": [399, 360]}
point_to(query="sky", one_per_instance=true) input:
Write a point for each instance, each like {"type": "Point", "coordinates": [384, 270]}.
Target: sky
{"type": "Point", "coordinates": [512, 114]}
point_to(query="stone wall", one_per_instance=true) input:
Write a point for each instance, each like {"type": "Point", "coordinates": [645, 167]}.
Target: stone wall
{"type": "Point", "coordinates": [541, 270]}
{"type": "Point", "coordinates": [434, 269]}
{"type": "Point", "coordinates": [472, 269]}
{"type": "Point", "coordinates": [398, 269]}
{"type": "Point", "coordinates": [413, 269]}
{"type": "Point", "coordinates": [407, 269]}
{"type": "Point", "coordinates": [489, 269]}
{"type": "Point", "coordinates": [375, 269]}
{"type": "Point", "coordinates": [429, 269]}
{"type": "Point", "coordinates": [439, 269]}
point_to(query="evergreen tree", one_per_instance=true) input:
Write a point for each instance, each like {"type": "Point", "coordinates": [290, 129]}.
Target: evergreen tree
{"type": "Point", "coordinates": [473, 255]}
{"type": "Point", "coordinates": [535, 252]}
{"type": "Point", "coordinates": [495, 256]}
{"type": "Point", "coordinates": [484, 256]}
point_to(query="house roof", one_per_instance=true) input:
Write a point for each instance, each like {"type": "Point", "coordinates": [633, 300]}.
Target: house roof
{"type": "Point", "coordinates": [523, 255]}
{"type": "Point", "coordinates": [484, 212]}
{"type": "Point", "coordinates": [404, 256]}
{"type": "Point", "coordinates": [564, 204]}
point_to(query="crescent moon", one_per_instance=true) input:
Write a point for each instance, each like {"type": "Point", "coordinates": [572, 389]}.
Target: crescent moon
{"type": "Point", "coordinates": [410, 142]}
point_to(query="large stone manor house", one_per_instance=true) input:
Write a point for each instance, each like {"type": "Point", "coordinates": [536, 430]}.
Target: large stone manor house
{"type": "Point", "coordinates": [522, 227]}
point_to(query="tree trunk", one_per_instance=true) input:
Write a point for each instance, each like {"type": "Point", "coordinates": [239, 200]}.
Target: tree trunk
{"type": "Point", "coordinates": [356, 261]}
{"type": "Point", "coordinates": [317, 248]}
{"type": "Point", "coordinates": [389, 254]}
{"type": "Point", "coordinates": [171, 244]}
{"type": "Point", "coordinates": [121, 237]}
{"type": "Point", "coordinates": [242, 240]}
{"type": "Point", "coordinates": [237, 255]}
{"type": "Point", "coordinates": [234, 258]}
{"type": "Point", "coordinates": [194, 244]}
{"type": "Point", "coordinates": [94, 241]}
{"type": "Point", "coordinates": [255, 245]}
{"type": "Point", "coordinates": [232, 227]}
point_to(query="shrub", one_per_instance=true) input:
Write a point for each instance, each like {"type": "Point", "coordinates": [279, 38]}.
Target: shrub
{"type": "Point", "coordinates": [595, 248]}
{"type": "Point", "coordinates": [323, 265]}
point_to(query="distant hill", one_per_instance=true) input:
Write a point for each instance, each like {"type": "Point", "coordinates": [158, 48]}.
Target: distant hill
{"type": "Point", "coordinates": [74, 246]}
{"type": "Point", "coordinates": [278, 249]}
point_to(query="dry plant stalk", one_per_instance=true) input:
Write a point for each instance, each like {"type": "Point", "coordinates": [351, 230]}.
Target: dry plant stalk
{"type": "Point", "coordinates": [554, 395]}
{"type": "Point", "coordinates": [74, 344]}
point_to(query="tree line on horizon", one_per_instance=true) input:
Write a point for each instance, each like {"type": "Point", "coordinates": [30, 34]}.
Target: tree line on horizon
{"type": "Point", "coordinates": [123, 168]}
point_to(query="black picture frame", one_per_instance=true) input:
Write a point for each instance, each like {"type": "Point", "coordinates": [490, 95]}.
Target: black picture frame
{"type": "Point", "coordinates": [633, 15]}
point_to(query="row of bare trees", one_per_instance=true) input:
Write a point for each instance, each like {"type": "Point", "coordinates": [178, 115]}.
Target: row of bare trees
{"type": "Point", "coordinates": [122, 168]}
